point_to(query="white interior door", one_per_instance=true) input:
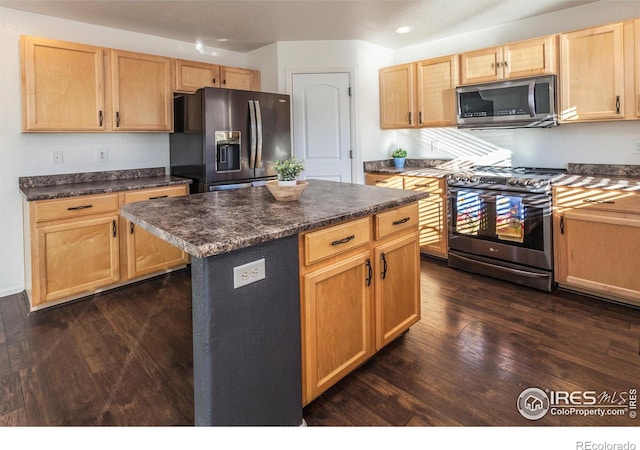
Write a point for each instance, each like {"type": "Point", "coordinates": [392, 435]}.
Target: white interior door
{"type": "Point", "coordinates": [322, 125]}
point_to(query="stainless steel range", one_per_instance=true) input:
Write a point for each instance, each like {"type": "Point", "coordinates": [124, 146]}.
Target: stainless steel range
{"type": "Point", "coordinates": [500, 223]}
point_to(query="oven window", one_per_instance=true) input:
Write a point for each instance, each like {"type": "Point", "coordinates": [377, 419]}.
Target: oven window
{"type": "Point", "coordinates": [469, 213]}
{"type": "Point", "coordinates": [511, 219]}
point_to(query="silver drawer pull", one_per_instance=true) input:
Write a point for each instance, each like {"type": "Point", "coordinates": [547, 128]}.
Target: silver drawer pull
{"type": "Point", "coordinates": [423, 185]}
{"type": "Point", "coordinates": [401, 221]}
{"type": "Point", "coordinates": [75, 208]}
{"type": "Point", "coordinates": [344, 240]}
{"type": "Point", "coordinates": [607, 202]}
{"type": "Point", "coordinates": [159, 196]}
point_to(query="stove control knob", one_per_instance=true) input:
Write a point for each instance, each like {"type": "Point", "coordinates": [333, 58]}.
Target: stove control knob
{"type": "Point", "coordinates": [512, 181]}
{"type": "Point", "coordinates": [524, 181]}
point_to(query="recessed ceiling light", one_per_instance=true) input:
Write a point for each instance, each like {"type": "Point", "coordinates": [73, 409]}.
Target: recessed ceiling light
{"type": "Point", "coordinates": [404, 30]}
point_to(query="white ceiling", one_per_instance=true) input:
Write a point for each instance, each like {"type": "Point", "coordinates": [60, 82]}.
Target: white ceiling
{"type": "Point", "coordinates": [243, 25]}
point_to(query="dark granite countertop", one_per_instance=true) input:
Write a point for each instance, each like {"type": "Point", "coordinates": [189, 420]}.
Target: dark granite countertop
{"type": "Point", "coordinates": [47, 187]}
{"type": "Point", "coordinates": [601, 176]}
{"type": "Point", "coordinates": [213, 223]}
{"type": "Point", "coordinates": [436, 168]}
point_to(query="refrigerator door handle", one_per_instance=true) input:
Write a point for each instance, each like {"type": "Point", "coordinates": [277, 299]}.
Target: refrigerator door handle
{"type": "Point", "coordinates": [252, 117]}
{"type": "Point", "coordinates": [259, 127]}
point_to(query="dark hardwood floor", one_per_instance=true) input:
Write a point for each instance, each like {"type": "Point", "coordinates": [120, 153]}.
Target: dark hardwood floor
{"type": "Point", "coordinates": [124, 358]}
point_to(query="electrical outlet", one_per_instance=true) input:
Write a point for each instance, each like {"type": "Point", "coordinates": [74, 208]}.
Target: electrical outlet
{"type": "Point", "coordinates": [435, 146]}
{"type": "Point", "coordinates": [102, 155]}
{"type": "Point", "coordinates": [56, 157]}
{"type": "Point", "coordinates": [248, 273]}
{"type": "Point", "coordinates": [636, 146]}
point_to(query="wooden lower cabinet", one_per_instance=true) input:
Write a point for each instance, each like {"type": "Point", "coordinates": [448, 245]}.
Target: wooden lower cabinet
{"type": "Point", "coordinates": [596, 235]}
{"type": "Point", "coordinates": [75, 256]}
{"type": "Point", "coordinates": [433, 210]}
{"type": "Point", "coordinates": [78, 246]}
{"type": "Point", "coordinates": [355, 302]}
{"type": "Point", "coordinates": [146, 253]}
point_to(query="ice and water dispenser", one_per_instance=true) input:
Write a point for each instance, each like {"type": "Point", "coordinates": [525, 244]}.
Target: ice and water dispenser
{"type": "Point", "coordinates": [227, 151]}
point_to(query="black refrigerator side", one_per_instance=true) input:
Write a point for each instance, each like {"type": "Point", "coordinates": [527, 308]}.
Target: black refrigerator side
{"type": "Point", "coordinates": [186, 143]}
{"type": "Point", "coordinates": [273, 115]}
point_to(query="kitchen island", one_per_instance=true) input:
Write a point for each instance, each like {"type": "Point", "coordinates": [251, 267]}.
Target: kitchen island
{"type": "Point", "coordinates": [246, 340]}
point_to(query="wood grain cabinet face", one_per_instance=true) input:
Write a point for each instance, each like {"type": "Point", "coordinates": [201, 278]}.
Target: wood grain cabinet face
{"type": "Point", "coordinates": [147, 253]}
{"type": "Point", "coordinates": [516, 60]}
{"type": "Point", "coordinates": [72, 250]}
{"type": "Point", "coordinates": [397, 96]}
{"type": "Point", "coordinates": [237, 78]}
{"type": "Point", "coordinates": [191, 75]}
{"type": "Point", "coordinates": [596, 235]}
{"type": "Point", "coordinates": [432, 214]}
{"type": "Point", "coordinates": [357, 301]}
{"type": "Point", "coordinates": [383, 180]}
{"type": "Point", "coordinates": [592, 74]}
{"type": "Point", "coordinates": [63, 86]}
{"type": "Point", "coordinates": [141, 92]}
{"type": "Point", "coordinates": [436, 81]}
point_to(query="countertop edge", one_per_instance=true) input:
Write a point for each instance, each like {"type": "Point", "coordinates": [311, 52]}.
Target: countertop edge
{"type": "Point", "coordinates": [99, 187]}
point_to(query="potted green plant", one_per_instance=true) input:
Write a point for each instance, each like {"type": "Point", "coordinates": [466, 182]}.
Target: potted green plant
{"type": "Point", "coordinates": [288, 171]}
{"type": "Point", "coordinates": [399, 155]}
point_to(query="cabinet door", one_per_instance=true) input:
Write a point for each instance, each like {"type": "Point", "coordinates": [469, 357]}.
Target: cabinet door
{"type": "Point", "coordinates": [75, 257]}
{"type": "Point", "coordinates": [437, 81]}
{"type": "Point", "coordinates": [191, 75]}
{"type": "Point", "coordinates": [236, 78]}
{"type": "Point", "coordinates": [142, 92]}
{"type": "Point", "coordinates": [397, 96]}
{"type": "Point", "coordinates": [529, 58]}
{"type": "Point", "coordinates": [337, 319]}
{"type": "Point", "coordinates": [481, 66]}
{"type": "Point", "coordinates": [397, 287]}
{"type": "Point", "coordinates": [147, 253]}
{"type": "Point", "coordinates": [432, 213]}
{"type": "Point", "coordinates": [595, 253]}
{"type": "Point", "coordinates": [592, 74]}
{"type": "Point", "coordinates": [62, 86]}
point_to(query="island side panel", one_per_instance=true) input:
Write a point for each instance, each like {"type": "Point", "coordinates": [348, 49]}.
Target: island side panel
{"type": "Point", "coordinates": [246, 341]}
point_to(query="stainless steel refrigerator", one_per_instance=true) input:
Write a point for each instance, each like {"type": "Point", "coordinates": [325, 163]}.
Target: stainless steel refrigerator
{"type": "Point", "coordinates": [227, 138]}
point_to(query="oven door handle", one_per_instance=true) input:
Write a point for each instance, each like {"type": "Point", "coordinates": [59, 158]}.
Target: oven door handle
{"type": "Point", "coordinates": [506, 269]}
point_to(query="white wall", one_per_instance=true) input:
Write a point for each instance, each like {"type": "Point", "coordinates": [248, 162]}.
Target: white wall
{"type": "Point", "coordinates": [23, 154]}
{"type": "Point", "coordinates": [603, 142]}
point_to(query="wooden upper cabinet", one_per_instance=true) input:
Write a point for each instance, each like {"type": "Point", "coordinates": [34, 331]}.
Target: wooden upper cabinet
{"type": "Point", "coordinates": [192, 75]}
{"type": "Point", "coordinates": [62, 86]}
{"type": "Point", "coordinates": [141, 92]}
{"type": "Point", "coordinates": [236, 78]}
{"type": "Point", "coordinates": [436, 101]}
{"type": "Point", "coordinates": [592, 74]}
{"type": "Point", "coordinates": [516, 60]}
{"type": "Point", "coordinates": [397, 96]}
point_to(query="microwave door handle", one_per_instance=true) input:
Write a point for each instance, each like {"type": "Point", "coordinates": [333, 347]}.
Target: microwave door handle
{"type": "Point", "coordinates": [252, 117]}
{"type": "Point", "coordinates": [532, 98]}
{"type": "Point", "coordinates": [258, 162]}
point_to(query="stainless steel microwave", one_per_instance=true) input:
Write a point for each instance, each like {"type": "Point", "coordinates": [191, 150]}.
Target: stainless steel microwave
{"type": "Point", "coordinates": [521, 103]}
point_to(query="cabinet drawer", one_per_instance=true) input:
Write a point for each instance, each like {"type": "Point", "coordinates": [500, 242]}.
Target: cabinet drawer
{"type": "Point", "coordinates": [74, 207]}
{"type": "Point", "coordinates": [383, 180]}
{"type": "Point", "coordinates": [151, 194]}
{"type": "Point", "coordinates": [433, 186]}
{"type": "Point", "coordinates": [324, 243]}
{"type": "Point", "coordinates": [399, 219]}
{"type": "Point", "coordinates": [600, 199]}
